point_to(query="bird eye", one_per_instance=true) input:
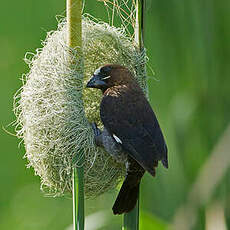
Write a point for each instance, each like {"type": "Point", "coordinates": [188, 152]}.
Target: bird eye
{"type": "Point", "coordinates": [106, 69]}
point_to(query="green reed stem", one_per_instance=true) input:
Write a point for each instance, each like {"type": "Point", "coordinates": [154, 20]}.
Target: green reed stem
{"type": "Point", "coordinates": [78, 198]}
{"type": "Point", "coordinates": [131, 219]}
{"type": "Point", "coordinates": [74, 24]}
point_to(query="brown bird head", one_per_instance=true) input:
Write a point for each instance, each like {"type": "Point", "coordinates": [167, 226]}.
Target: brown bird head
{"type": "Point", "coordinates": [110, 75]}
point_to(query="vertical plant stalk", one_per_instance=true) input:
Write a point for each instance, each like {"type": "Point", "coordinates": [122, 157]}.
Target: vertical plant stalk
{"type": "Point", "coordinates": [139, 28]}
{"type": "Point", "coordinates": [74, 41]}
{"type": "Point", "coordinates": [74, 23]}
{"type": "Point", "coordinates": [131, 219]}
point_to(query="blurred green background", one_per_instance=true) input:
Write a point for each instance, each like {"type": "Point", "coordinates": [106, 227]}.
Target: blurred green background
{"type": "Point", "coordinates": [188, 44]}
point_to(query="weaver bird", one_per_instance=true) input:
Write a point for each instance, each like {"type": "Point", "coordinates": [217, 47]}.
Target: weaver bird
{"type": "Point", "coordinates": [131, 130]}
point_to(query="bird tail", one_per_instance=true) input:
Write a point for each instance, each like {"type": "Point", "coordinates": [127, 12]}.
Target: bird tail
{"type": "Point", "coordinates": [127, 197]}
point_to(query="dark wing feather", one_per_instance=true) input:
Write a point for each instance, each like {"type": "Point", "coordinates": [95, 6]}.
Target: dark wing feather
{"type": "Point", "coordinates": [131, 118]}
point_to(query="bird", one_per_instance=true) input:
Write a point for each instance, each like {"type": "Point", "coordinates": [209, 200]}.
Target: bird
{"type": "Point", "coordinates": [131, 132]}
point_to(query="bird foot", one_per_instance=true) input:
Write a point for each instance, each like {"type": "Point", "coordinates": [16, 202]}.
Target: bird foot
{"type": "Point", "coordinates": [96, 130]}
{"type": "Point", "coordinates": [97, 134]}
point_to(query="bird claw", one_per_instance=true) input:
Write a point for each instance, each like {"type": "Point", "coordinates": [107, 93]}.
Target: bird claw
{"type": "Point", "coordinates": [96, 130]}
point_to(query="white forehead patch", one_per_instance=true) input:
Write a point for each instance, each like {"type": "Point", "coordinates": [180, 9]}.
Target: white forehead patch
{"type": "Point", "coordinates": [117, 139]}
{"type": "Point", "coordinates": [97, 71]}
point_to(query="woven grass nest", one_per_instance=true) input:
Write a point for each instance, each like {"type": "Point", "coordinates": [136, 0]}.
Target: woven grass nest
{"type": "Point", "coordinates": [54, 110]}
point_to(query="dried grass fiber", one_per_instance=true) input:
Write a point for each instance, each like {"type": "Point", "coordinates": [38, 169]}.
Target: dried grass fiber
{"type": "Point", "coordinates": [54, 110]}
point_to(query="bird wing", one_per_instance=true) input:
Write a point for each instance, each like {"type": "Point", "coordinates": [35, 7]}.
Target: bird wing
{"type": "Point", "coordinates": [132, 120]}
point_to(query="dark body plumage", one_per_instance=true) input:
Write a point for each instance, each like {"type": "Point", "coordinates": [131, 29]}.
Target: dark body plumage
{"type": "Point", "coordinates": [129, 119]}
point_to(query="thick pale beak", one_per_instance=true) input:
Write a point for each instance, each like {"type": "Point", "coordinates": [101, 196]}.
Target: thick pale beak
{"type": "Point", "coordinates": [96, 82]}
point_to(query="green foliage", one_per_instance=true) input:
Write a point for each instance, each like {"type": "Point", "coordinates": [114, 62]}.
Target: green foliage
{"type": "Point", "coordinates": [149, 221]}
{"type": "Point", "coordinates": [188, 47]}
